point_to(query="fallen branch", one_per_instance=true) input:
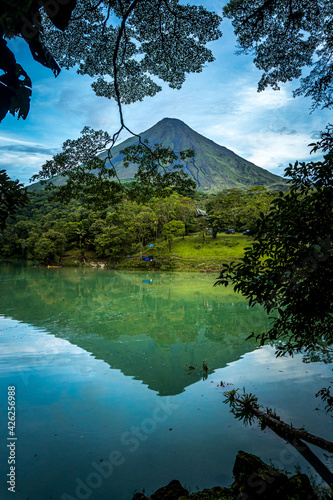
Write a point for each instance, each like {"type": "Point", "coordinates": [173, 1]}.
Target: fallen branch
{"type": "Point", "coordinates": [289, 431]}
{"type": "Point", "coordinates": [245, 407]}
{"type": "Point", "coordinates": [293, 435]}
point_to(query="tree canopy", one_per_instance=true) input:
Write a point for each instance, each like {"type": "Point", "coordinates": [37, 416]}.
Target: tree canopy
{"type": "Point", "coordinates": [286, 36]}
{"type": "Point", "coordinates": [124, 45]}
{"type": "Point", "coordinates": [44, 230]}
{"type": "Point", "coordinates": [288, 267]}
{"type": "Point", "coordinates": [91, 176]}
{"type": "Point", "coordinates": [12, 196]}
{"type": "Point", "coordinates": [129, 46]}
{"type": "Point", "coordinates": [237, 209]}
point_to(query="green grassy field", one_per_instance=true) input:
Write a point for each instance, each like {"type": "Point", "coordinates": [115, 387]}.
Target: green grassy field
{"type": "Point", "coordinates": [191, 253]}
{"type": "Point", "coordinates": [226, 246]}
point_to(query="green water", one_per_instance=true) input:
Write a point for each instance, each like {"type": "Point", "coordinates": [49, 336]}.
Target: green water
{"type": "Point", "coordinates": [105, 401]}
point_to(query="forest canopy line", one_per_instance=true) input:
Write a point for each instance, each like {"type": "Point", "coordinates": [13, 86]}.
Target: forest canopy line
{"type": "Point", "coordinates": [95, 181]}
{"type": "Point", "coordinates": [44, 230]}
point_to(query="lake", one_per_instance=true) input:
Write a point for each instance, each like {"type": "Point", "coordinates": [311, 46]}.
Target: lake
{"type": "Point", "coordinates": [106, 403]}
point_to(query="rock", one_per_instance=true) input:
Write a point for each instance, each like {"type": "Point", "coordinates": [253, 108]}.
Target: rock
{"type": "Point", "coordinates": [216, 493]}
{"type": "Point", "coordinates": [300, 488]}
{"type": "Point", "coordinates": [256, 480]}
{"type": "Point", "coordinates": [172, 491]}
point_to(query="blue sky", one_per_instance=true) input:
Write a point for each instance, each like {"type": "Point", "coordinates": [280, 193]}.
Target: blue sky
{"type": "Point", "coordinates": [270, 128]}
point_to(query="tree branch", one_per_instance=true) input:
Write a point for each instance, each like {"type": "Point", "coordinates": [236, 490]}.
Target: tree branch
{"type": "Point", "coordinates": [290, 432]}
{"type": "Point", "coordinates": [114, 61]}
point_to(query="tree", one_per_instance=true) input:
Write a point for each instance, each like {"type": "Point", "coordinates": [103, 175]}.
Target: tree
{"type": "Point", "coordinates": [50, 247]}
{"type": "Point", "coordinates": [172, 229]}
{"type": "Point", "coordinates": [122, 44]}
{"type": "Point", "coordinates": [288, 267]}
{"type": "Point", "coordinates": [288, 270]}
{"type": "Point", "coordinates": [12, 196]}
{"type": "Point", "coordinates": [223, 208]}
{"type": "Point", "coordinates": [158, 174]}
{"type": "Point", "coordinates": [114, 242]}
{"type": "Point", "coordinates": [94, 180]}
{"type": "Point", "coordinates": [245, 407]}
{"type": "Point", "coordinates": [286, 36]}
{"type": "Point", "coordinates": [24, 19]}
{"type": "Point", "coordinates": [236, 208]}
{"type": "Point", "coordinates": [257, 200]}
{"type": "Point", "coordinates": [126, 230]}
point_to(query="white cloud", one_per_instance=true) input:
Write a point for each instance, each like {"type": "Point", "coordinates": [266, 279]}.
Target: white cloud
{"type": "Point", "coordinates": [22, 165]}
{"type": "Point", "coordinates": [8, 139]}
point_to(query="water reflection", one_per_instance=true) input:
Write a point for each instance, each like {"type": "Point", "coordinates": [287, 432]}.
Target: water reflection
{"type": "Point", "coordinates": [151, 327]}
{"type": "Point", "coordinates": [75, 408]}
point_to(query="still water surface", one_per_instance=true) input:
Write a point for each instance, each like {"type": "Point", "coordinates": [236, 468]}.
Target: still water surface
{"type": "Point", "coordinates": [105, 401]}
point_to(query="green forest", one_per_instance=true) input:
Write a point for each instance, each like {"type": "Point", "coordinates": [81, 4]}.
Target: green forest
{"type": "Point", "coordinates": [50, 232]}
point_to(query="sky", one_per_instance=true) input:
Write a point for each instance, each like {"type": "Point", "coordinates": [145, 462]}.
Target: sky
{"type": "Point", "coordinates": [270, 128]}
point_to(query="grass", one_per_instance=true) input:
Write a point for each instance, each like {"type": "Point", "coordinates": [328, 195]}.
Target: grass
{"type": "Point", "coordinates": [225, 246]}
{"type": "Point", "coordinates": [191, 253]}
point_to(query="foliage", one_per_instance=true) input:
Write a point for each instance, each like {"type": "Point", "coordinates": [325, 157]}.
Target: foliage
{"type": "Point", "coordinates": [174, 207]}
{"type": "Point", "coordinates": [23, 19]}
{"type": "Point", "coordinates": [91, 181]}
{"type": "Point", "coordinates": [50, 246]}
{"type": "Point", "coordinates": [242, 404]}
{"type": "Point", "coordinates": [121, 44]}
{"type": "Point", "coordinates": [88, 178]}
{"type": "Point", "coordinates": [237, 209]}
{"type": "Point", "coordinates": [286, 36]}
{"type": "Point", "coordinates": [326, 396]}
{"type": "Point", "coordinates": [288, 268]}
{"type": "Point", "coordinates": [172, 229]}
{"type": "Point", "coordinates": [157, 173]}
{"type": "Point", "coordinates": [127, 228]}
{"type": "Point", "coordinates": [120, 230]}
{"type": "Point", "coordinates": [37, 218]}
{"type": "Point", "coordinates": [12, 196]}
{"type": "Point", "coordinates": [112, 233]}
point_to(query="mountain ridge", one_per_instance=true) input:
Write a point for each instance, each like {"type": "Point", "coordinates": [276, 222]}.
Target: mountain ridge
{"type": "Point", "coordinates": [214, 167]}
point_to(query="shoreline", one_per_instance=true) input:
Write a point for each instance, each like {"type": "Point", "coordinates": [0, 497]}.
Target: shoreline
{"type": "Point", "coordinates": [165, 263]}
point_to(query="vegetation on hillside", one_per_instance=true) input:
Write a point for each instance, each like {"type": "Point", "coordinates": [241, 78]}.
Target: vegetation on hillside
{"type": "Point", "coordinates": [12, 196]}
{"type": "Point", "coordinates": [46, 230]}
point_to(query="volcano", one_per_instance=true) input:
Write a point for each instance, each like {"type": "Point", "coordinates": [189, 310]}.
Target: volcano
{"type": "Point", "coordinates": [213, 167]}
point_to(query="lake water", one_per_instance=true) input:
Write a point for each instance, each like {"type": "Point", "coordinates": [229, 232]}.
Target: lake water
{"type": "Point", "coordinates": [105, 401]}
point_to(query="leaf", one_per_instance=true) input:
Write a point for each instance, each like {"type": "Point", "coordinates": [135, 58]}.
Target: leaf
{"type": "Point", "coordinates": [42, 55]}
